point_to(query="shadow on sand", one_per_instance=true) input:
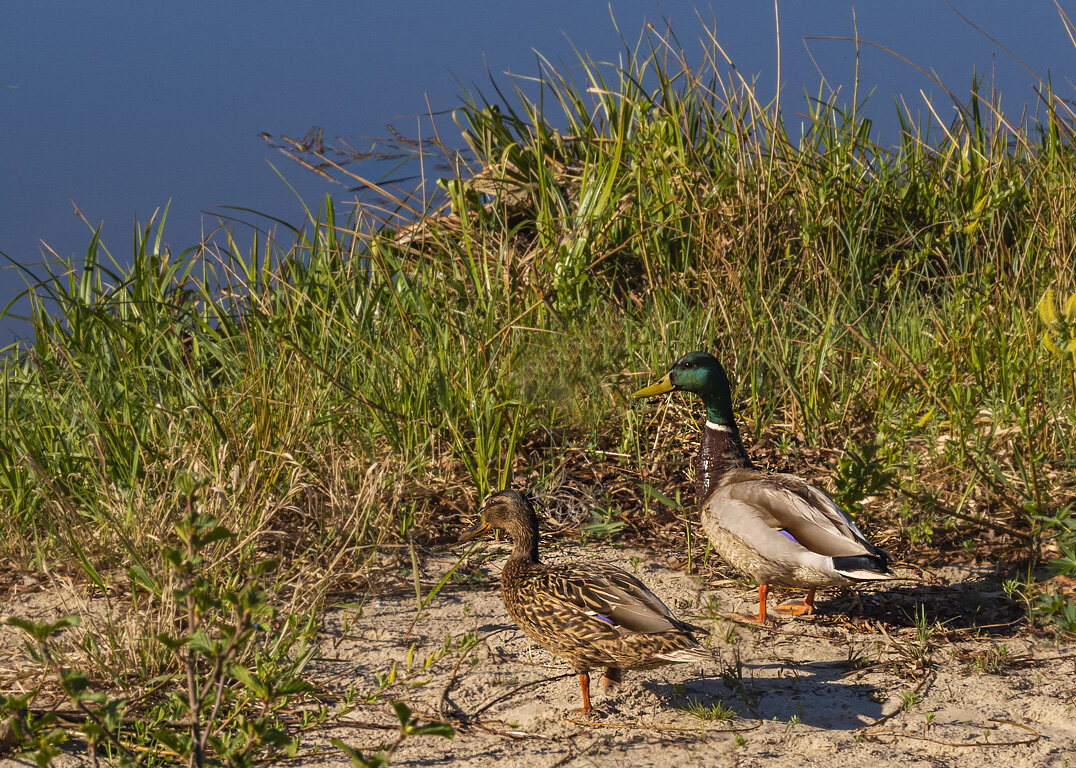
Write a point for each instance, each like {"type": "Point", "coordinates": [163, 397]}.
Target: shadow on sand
{"type": "Point", "coordinates": [814, 692]}
{"type": "Point", "coordinates": [975, 602]}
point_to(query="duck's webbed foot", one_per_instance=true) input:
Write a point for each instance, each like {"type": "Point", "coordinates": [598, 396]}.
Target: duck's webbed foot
{"type": "Point", "coordinates": [798, 607]}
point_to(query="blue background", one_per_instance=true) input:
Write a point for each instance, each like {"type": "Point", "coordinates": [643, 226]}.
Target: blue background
{"type": "Point", "coordinates": [121, 107]}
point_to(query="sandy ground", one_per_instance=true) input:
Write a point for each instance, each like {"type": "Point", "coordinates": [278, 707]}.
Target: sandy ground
{"type": "Point", "coordinates": [844, 688]}
{"type": "Point", "coordinates": [856, 685]}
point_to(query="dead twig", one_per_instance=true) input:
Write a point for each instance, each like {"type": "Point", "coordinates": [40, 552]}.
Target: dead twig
{"type": "Point", "coordinates": [929, 501]}
{"type": "Point", "coordinates": [929, 677]}
{"type": "Point", "coordinates": [455, 672]}
{"type": "Point", "coordinates": [514, 691]}
{"type": "Point", "coordinates": [661, 728]}
{"type": "Point", "coordinates": [354, 724]}
{"type": "Point", "coordinates": [1035, 736]}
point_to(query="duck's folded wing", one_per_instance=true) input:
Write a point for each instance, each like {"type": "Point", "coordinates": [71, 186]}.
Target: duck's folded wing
{"type": "Point", "coordinates": [614, 597]}
{"type": "Point", "coordinates": [807, 515]}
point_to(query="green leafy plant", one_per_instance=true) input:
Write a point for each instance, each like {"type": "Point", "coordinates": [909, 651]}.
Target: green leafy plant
{"type": "Point", "coordinates": [409, 727]}
{"type": "Point", "coordinates": [861, 472]}
{"type": "Point", "coordinates": [237, 668]}
{"type": "Point", "coordinates": [1054, 608]}
{"type": "Point", "coordinates": [910, 700]}
{"type": "Point", "coordinates": [1060, 334]}
{"type": "Point", "coordinates": [602, 524]}
{"type": "Point", "coordinates": [38, 735]}
{"type": "Point", "coordinates": [228, 671]}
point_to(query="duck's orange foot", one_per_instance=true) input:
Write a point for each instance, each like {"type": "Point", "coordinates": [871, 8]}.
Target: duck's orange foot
{"type": "Point", "coordinates": [795, 608]}
{"type": "Point", "coordinates": [760, 619]}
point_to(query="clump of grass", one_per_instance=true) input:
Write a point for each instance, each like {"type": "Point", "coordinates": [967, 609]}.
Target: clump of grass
{"type": "Point", "coordinates": [992, 660]}
{"type": "Point", "coordinates": [713, 711]}
{"type": "Point", "coordinates": [733, 678]}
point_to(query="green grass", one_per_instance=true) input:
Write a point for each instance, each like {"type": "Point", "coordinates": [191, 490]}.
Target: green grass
{"type": "Point", "coordinates": [714, 711]}
{"type": "Point", "coordinates": [877, 299]}
{"type": "Point", "coordinates": [360, 381]}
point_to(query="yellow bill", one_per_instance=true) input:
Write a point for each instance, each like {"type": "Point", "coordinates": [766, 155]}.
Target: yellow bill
{"type": "Point", "coordinates": [663, 386]}
{"type": "Point", "coordinates": [480, 527]}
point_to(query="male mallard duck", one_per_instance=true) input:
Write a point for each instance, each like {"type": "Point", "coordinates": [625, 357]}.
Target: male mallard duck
{"type": "Point", "coordinates": [589, 614]}
{"type": "Point", "coordinates": [777, 528]}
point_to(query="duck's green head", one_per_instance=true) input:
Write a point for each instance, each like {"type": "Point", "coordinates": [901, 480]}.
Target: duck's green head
{"type": "Point", "coordinates": [699, 373]}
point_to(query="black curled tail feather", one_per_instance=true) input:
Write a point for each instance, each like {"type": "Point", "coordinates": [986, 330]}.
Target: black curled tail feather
{"type": "Point", "coordinates": [863, 566]}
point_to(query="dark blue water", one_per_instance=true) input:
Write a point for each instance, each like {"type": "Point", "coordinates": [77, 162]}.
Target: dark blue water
{"type": "Point", "coordinates": [118, 108]}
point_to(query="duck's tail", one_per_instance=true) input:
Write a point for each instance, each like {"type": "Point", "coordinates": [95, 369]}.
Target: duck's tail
{"type": "Point", "coordinates": [693, 653]}
{"type": "Point", "coordinates": [863, 567]}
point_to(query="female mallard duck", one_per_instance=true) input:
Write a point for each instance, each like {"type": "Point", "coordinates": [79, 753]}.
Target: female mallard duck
{"type": "Point", "coordinates": [589, 614]}
{"type": "Point", "coordinates": [777, 528]}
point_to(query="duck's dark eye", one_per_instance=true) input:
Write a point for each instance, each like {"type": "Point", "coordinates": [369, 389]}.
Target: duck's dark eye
{"type": "Point", "coordinates": [686, 365]}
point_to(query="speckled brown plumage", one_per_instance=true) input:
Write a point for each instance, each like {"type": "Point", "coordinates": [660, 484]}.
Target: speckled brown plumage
{"type": "Point", "coordinates": [589, 614]}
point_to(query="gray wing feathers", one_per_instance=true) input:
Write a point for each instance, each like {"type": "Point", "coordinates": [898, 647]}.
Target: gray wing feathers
{"type": "Point", "coordinates": [810, 516]}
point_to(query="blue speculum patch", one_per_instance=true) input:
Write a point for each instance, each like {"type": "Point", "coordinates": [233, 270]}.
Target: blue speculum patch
{"type": "Point", "coordinates": [606, 619]}
{"type": "Point", "coordinates": [789, 535]}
